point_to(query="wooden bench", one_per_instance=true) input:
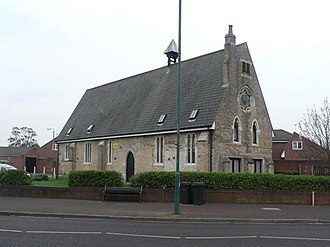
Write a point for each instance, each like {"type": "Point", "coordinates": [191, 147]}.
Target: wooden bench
{"type": "Point", "coordinates": [122, 192]}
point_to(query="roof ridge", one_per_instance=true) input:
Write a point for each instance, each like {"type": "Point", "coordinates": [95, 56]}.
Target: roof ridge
{"type": "Point", "coordinates": [160, 68]}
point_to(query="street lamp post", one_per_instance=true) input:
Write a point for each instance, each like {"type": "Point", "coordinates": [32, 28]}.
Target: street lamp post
{"type": "Point", "coordinates": [177, 171]}
{"type": "Point", "coordinates": [53, 131]}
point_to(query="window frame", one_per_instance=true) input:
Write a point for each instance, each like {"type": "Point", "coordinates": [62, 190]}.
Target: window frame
{"type": "Point", "coordinates": [67, 152]}
{"type": "Point", "coordinates": [246, 68]}
{"type": "Point", "coordinates": [235, 165]}
{"type": "Point", "coordinates": [193, 115]}
{"type": "Point", "coordinates": [109, 153]}
{"type": "Point", "coordinates": [296, 146]}
{"type": "Point", "coordinates": [69, 131]}
{"type": "Point", "coordinates": [88, 152]}
{"type": "Point", "coordinates": [54, 147]}
{"type": "Point", "coordinates": [236, 130]}
{"type": "Point", "coordinates": [160, 154]}
{"type": "Point", "coordinates": [255, 133]}
{"type": "Point", "coordinates": [90, 128]}
{"type": "Point", "coordinates": [257, 164]}
{"type": "Point", "coordinates": [191, 149]}
{"type": "Point", "coordinates": [161, 119]}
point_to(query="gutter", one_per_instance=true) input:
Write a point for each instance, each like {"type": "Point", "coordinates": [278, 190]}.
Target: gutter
{"type": "Point", "coordinates": [137, 135]}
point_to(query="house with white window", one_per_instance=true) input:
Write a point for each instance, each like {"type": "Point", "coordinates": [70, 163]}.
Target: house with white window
{"type": "Point", "coordinates": [293, 153]}
{"type": "Point", "coordinates": [130, 125]}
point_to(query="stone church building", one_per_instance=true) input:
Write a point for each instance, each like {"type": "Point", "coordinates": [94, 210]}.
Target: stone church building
{"type": "Point", "coordinates": [129, 125]}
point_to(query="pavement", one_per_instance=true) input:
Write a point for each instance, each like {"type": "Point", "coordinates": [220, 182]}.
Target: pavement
{"type": "Point", "coordinates": [163, 211]}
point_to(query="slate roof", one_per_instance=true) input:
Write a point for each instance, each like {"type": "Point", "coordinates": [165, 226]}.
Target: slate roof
{"type": "Point", "coordinates": [281, 135]}
{"type": "Point", "coordinates": [133, 105]}
{"type": "Point", "coordinates": [14, 151]}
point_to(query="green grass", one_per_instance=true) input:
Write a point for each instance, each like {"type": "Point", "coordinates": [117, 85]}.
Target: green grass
{"type": "Point", "coordinates": [52, 182]}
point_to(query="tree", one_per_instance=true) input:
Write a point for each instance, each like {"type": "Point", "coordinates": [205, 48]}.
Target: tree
{"type": "Point", "coordinates": [23, 137]}
{"type": "Point", "coordinates": [315, 126]}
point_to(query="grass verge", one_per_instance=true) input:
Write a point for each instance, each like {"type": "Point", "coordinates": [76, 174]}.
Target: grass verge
{"type": "Point", "coordinates": [52, 182]}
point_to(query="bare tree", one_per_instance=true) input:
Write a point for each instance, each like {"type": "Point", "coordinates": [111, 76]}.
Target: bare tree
{"type": "Point", "coordinates": [315, 126]}
{"type": "Point", "coordinates": [23, 137]}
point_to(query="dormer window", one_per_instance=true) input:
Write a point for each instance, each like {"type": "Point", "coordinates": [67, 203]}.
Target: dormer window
{"type": "Point", "coordinates": [69, 131]}
{"type": "Point", "coordinates": [90, 129]}
{"type": "Point", "coordinates": [193, 115]}
{"type": "Point", "coordinates": [161, 119]}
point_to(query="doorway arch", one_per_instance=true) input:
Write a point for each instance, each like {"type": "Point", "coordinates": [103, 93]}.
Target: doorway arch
{"type": "Point", "coordinates": [130, 165]}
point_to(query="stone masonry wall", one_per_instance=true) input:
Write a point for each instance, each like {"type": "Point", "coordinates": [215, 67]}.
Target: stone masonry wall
{"type": "Point", "coordinates": [144, 151]}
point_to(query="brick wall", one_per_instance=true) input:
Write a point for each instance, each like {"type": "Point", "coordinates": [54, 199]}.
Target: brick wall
{"type": "Point", "coordinates": [322, 198]}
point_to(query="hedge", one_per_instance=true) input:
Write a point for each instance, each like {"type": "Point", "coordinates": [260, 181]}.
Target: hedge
{"type": "Point", "coordinates": [95, 178]}
{"type": "Point", "coordinates": [244, 181]}
{"type": "Point", "coordinates": [14, 177]}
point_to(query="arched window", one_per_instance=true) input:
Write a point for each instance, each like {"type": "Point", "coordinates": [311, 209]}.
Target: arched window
{"type": "Point", "coordinates": [236, 130]}
{"type": "Point", "coordinates": [191, 144]}
{"type": "Point", "coordinates": [255, 137]}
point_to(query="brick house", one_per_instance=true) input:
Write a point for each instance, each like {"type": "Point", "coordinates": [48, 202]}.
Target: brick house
{"type": "Point", "coordinates": [129, 125]}
{"type": "Point", "coordinates": [47, 158]}
{"type": "Point", "coordinates": [23, 158]}
{"type": "Point", "coordinates": [293, 153]}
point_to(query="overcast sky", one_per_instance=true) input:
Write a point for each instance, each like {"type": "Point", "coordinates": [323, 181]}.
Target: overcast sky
{"type": "Point", "coordinates": [51, 52]}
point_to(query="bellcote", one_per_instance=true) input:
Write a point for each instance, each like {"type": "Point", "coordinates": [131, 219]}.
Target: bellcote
{"type": "Point", "coordinates": [171, 53]}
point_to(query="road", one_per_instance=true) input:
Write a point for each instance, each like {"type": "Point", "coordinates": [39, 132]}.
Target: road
{"type": "Point", "coordinates": [37, 231]}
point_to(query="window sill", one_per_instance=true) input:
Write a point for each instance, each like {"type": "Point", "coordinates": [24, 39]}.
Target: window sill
{"type": "Point", "coordinates": [158, 164]}
{"type": "Point", "coordinates": [190, 164]}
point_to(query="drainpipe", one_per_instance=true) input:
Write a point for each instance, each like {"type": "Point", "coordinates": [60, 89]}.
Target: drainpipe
{"type": "Point", "coordinates": [211, 150]}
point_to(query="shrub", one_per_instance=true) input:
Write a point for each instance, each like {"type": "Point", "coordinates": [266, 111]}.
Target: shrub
{"type": "Point", "coordinates": [39, 177]}
{"type": "Point", "coordinates": [153, 180]}
{"type": "Point", "coordinates": [95, 178]}
{"type": "Point", "coordinates": [217, 180]}
{"type": "Point", "coordinates": [14, 177]}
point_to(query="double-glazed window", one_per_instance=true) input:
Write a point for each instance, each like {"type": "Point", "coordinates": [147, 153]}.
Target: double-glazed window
{"type": "Point", "coordinates": [191, 148]}
{"type": "Point", "coordinates": [88, 153]}
{"type": "Point", "coordinates": [160, 150]}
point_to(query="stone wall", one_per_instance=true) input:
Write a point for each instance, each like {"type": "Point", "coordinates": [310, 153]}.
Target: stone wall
{"type": "Point", "coordinates": [144, 152]}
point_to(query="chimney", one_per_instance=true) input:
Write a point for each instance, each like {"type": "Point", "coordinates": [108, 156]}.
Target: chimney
{"type": "Point", "coordinates": [230, 37]}
{"type": "Point", "coordinates": [230, 53]}
{"type": "Point", "coordinates": [171, 53]}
